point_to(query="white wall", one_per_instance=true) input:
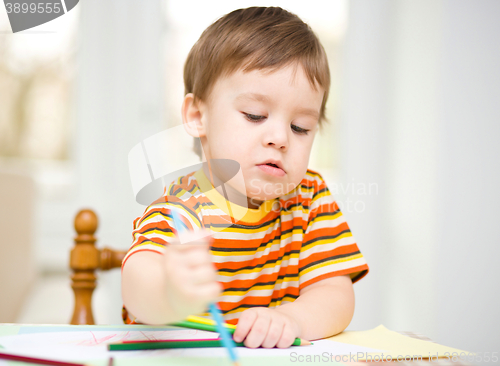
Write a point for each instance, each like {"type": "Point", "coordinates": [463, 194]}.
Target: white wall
{"type": "Point", "coordinates": [420, 118]}
{"type": "Point", "coordinates": [118, 102]}
{"type": "Point", "coordinates": [469, 177]}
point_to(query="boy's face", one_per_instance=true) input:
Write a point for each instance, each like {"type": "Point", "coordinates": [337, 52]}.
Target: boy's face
{"type": "Point", "coordinates": [267, 123]}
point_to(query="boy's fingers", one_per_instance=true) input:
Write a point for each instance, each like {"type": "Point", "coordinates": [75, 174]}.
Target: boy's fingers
{"type": "Point", "coordinates": [245, 323]}
{"type": "Point", "coordinates": [196, 258]}
{"type": "Point", "coordinates": [203, 274]}
{"type": "Point", "coordinates": [208, 292]}
{"type": "Point", "coordinates": [259, 330]}
{"type": "Point", "coordinates": [197, 237]}
{"type": "Point", "coordinates": [273, 334]}
{"type": "Point", "coordinates": [182, 248]}
{"type": "Point", "coordinates": [287, 338]}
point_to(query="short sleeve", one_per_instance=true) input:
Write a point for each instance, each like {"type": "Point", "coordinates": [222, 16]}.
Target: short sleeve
{"type": "Point", "coordinates": [328, 248]}
{"type": "Point", "coordinates": [155, 228]}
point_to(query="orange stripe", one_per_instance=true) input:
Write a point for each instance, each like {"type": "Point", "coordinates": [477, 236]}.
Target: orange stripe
{"type": "Point", "coordinates": [346, 271]}
{"type": "Point", "coordinates": [137, 251]}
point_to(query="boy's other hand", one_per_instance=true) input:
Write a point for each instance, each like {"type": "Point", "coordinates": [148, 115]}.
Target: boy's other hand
{"type": "Point", "coordinates": [190, 276]}
{"type": "Point", "coordinates": [268, 328]}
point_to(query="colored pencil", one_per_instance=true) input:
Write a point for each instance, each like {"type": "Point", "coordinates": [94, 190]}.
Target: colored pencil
{"type": "Point", "coordinates": [227, 340]}
{"type": "Point", "coordinates": [180, 343]}
{"type": "Point", "coordinates": [168, 343]}
{"type": "Point", "coordinates": [40, 361]}
{"type": "Point", "coordinates": [213, 328]}
{"type": "Point", "coordinates": [201, 320]}
{"type": "Point", "coordinates": [214, 310]}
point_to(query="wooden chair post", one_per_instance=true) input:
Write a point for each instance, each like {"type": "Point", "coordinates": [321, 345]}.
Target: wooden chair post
{"type": "Point", "coordinates": [84, 260]}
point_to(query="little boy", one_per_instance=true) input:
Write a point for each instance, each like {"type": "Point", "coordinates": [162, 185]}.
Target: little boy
{"type": "Point", "coordinates": [256, 86]}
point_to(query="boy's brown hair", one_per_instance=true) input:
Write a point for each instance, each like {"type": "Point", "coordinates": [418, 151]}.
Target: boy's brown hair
{"type": "Point", "coordinates": [255, 38]}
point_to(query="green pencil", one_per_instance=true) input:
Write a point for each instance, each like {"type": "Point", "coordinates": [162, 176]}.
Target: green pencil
{"type": "Point", "coordinates": [213, 328]}
{"type": "Point", "coordinates": [185, 343]}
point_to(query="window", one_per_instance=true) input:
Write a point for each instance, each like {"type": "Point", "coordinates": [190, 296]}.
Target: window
{"type": "Point", "coordinates": [36, 77]}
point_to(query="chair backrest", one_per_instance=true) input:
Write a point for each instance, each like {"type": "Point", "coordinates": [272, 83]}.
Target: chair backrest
{"type": "Point", "coordinates": [85, 260]}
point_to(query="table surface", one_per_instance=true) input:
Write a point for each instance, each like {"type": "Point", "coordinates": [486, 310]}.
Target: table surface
{"type": "Point", "coordinates": [420, 362]}
{"type": "Point", "coordinates": [426, 362]}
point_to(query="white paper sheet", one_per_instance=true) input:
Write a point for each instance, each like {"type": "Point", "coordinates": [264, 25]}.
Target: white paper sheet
{"type": "Point", "coordinates": [91, 345]}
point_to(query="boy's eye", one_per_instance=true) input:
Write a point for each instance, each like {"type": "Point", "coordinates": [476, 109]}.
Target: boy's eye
{"type": "Point", "coordinates": [299, 130]}
{"type": "Point", "coordinates": [253, 117]}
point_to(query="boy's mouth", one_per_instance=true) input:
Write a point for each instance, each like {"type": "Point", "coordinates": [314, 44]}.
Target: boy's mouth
{"type": "Point", "coordinates": [272, 167]}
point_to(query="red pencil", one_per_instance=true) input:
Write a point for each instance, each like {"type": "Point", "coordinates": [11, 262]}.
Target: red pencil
{"type": "Point", "coordinates": [40, 361]}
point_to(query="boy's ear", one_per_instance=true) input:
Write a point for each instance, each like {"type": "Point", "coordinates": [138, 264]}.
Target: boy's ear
{"type": "Point", "coordinates": [192, 116]}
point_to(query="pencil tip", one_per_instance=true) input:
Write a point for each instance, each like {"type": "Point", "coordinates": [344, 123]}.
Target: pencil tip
{"type": "Point", "coordinates": [303, 342]}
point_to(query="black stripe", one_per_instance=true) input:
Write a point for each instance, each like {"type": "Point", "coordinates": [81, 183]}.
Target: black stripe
{"type": "Point", "coordinates": [314, 174]}
{"type": "Point", "coordinates": [324, 238]}
{"type": "Point", "coordinates": [152, 212]}
{"type": "Point", "coordinates": [322, 260]}
{"type": "Point", "coordinates": [248, 306]}
{"type": "Point", "coordinates": [231, 270]}
{"type": "Point", "coordinates": [360, 274]}
{"type": "Point", "coordinates": [321, 214]}
{"type": "Point", "coordinates": [253, 227]}
{"type": "Point", "coordinates": [262, 245]}
{"type": "Point", "coordinates": [167, 230]}
{"type": "Point", "coordinates": [174, 193]}
{"type": "Point", "coordinates": [302, 185]}
{"type": "Point", "coordinates": [193, 213]}
{"type": "Point", "coordinates": [320, 191]}
{"type": "Point", "coordinates": [290, 206]}
{"type": "Point", "coordinates": [246, 289]}
{"type": "Point", "coordinates": [292, 229]}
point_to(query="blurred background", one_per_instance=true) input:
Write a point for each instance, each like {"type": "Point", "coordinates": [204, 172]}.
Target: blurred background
{"type": "Point", "coordinates": [411, 150]}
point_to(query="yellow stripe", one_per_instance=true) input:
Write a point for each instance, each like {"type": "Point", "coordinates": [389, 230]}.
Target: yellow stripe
{"type": "Point", "coordinates": [148, 242]}
{"type": "Point", "coordinates": [328, 240]}
{"type": "Point", "coordinates": [329, 263]}
{"type": "Point", "coordinates": [255, 270]}
{"type": "Point", "coordinates": [264, 287]}
{"type": "Point", "coordinates": [326, 217]}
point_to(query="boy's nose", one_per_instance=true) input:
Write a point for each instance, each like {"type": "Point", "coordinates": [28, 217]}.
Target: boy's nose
{"type": "Point", "coordinates": [277, 137]}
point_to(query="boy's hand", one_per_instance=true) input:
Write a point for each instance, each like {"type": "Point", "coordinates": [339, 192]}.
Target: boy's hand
{"type": "Point", "coordinates": [268, 328]}
{"type": "Point", "coordinates": [190, 276]}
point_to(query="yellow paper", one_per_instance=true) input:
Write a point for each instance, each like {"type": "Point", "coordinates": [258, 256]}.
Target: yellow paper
{"type": "Point", "coordinates": [394, 345]}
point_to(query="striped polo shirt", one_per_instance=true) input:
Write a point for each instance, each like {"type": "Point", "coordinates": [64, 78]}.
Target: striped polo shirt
{"type": "Point", "coordinates": [264, 256]}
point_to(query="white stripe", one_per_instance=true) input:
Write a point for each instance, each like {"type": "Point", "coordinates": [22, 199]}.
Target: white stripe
{"type": "Point", "coordinates": [349, 240]}
{"type": "Point", "coordinates": [332, 268]}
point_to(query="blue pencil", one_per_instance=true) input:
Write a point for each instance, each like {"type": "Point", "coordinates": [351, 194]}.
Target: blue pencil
{"type": "Point", "coordinates": [227, 340]}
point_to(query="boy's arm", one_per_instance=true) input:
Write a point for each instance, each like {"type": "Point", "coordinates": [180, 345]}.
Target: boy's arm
{"type": "Point", "coordinates": [144, 291]}
{"type": "Point", "coordinates": [324, 308]}
{"type": "Point", "coordinates": [165, 288]}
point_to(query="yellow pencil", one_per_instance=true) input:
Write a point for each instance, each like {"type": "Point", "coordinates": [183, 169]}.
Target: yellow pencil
{"type": "Point", "coordinates": [201, 320]}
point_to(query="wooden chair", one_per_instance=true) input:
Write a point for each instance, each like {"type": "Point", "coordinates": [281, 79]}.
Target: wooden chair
{"type": "Point", "coordinates": [85, 260]}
